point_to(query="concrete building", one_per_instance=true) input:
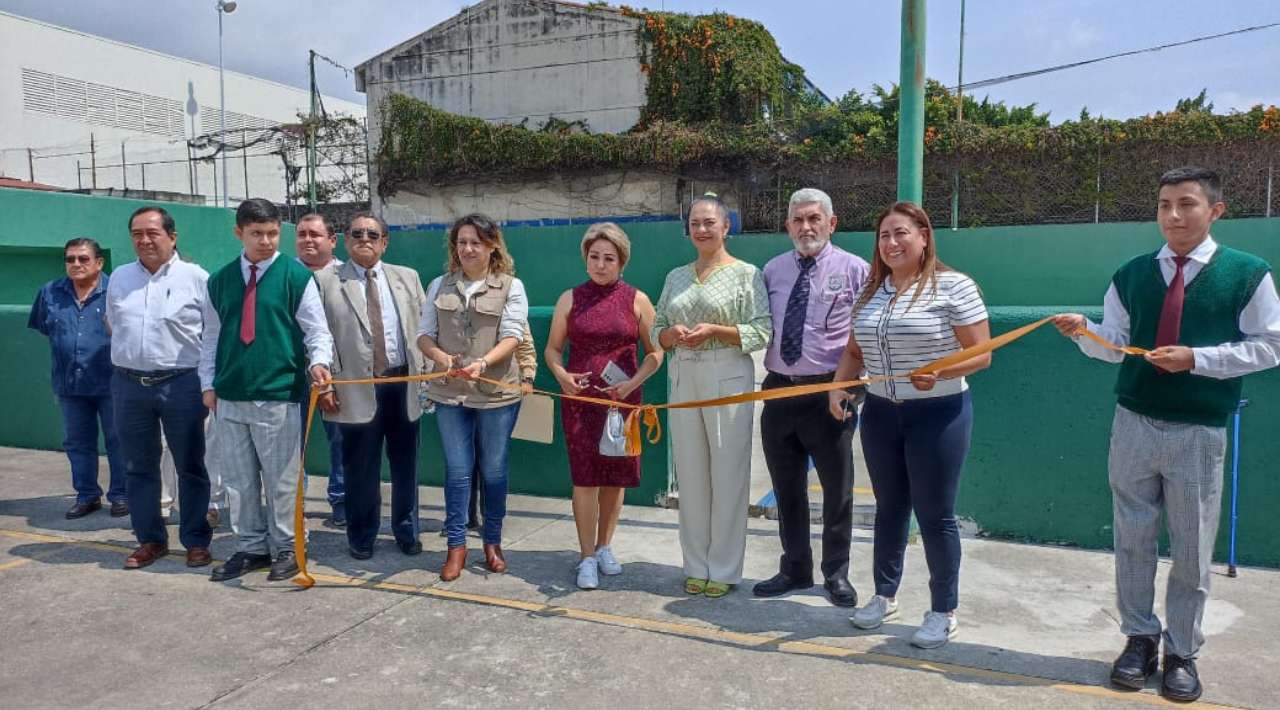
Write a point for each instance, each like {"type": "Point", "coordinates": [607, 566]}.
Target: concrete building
{"type": "Point", "coordinates": [84, 112]}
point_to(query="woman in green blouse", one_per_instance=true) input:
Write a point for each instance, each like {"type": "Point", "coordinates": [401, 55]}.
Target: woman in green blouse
{"type": "Point", "coordinates": [711, 314]}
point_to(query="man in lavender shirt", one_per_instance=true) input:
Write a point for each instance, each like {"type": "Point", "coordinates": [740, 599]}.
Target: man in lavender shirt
{"type": "Point", "coordinates": [812, 289]}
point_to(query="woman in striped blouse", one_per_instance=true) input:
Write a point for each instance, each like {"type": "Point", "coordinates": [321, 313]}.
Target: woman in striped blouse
{"type": "Point", "coordinates": [915, 434]}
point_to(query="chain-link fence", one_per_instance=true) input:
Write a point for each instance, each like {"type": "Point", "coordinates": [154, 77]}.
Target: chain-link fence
{"type": "Point", "coordinates": [1114, 183]}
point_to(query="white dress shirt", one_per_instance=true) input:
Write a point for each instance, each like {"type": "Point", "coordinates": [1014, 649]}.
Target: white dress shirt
{"type": "Point", "coordinates": [514, 312]}
{"type": "Point", "coordinates": [1259, 322]}
{"type": "Point", "coordinates": [390, 317]}
{"type": "Point", "coordinates": [156, 319]}
{"type": "Point", "coordinates": [310, 315]}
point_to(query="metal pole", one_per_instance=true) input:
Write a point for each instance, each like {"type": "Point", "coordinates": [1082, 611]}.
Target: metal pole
{"type": "Point", "coordinates": [955, 183]}
{"type": "Point", "coordinates": [214, 165]}
{"type": "Point", "coordinates": [1235, 486]}
{"type": "Point", "coordinates": [222, 134]}
{"type": "Point", "coordinates": [79, 184]}
{"type": "Point", "coordinates": [93, 163]}
{"type": "Point", "coordinates": [244, 154]}
{"type": "Point", "coordinates": [311, 135]}
{"type": "Point", "coordinates": [1097, 179]}
{"type": "Point", "coordinates": [191, 170]}
{"type": "Point", "coordinates": [911, 103]}
{"type": "Point", "coordinates": [144, 175]}
{"type": "Point", "coordinates": [31, 172]}
{"type": "Point", "coordinates": [1270, 171]}
{"type": "Point", "coordinates": [124, 167]}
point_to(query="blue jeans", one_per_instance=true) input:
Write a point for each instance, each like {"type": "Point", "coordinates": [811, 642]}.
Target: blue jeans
{"type": "Point", "coordinates": [337, 485]}
{"type": "Point", "coordinates": [470, 437]}
{"type": "Point", "coordinates": [80, 417]}
{"type": "Point", "coordinates": [140, 413]}
{"type": "Point", "coordinates": [915, 451]}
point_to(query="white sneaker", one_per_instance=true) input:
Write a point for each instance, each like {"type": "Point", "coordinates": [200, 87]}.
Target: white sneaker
{"type": "Point", "coordinates": [588, 578]}
{"type": "Point", "coordinates": [608, 563]}
{"type": "Point", "coordinates": [937, 629]}
{"type": "Point", "coordinates": [876, 612]}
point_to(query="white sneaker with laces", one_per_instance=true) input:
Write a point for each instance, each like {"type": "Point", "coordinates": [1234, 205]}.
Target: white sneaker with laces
{"type": "Point", "coordinates": [876, 612]}
{"type": "Point", "coordinates": [588, 576]}
{"type": "Point", "coordinates": [936, 630]}
{"type": "Point", "coordinates": [608, 563]}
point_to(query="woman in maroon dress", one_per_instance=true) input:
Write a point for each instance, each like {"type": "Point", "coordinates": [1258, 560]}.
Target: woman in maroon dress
{"type": "Point", "coordinates": [601, 320]}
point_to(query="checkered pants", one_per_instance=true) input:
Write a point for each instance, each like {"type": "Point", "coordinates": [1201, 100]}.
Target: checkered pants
{"type": "Point", "coordinates": [1153, 464]}
{"type": "Point", "coordinates": [259, 446]}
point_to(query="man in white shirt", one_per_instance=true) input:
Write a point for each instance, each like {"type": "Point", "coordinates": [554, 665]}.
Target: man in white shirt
{"type": "Point", "coordinates": [1208, 315]}
{"type": "Point", "coordinates": [155, 312]}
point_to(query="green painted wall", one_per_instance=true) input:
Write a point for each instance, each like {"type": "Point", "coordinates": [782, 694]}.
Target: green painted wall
{"type": "Point", "coordinates": [1037, 469]}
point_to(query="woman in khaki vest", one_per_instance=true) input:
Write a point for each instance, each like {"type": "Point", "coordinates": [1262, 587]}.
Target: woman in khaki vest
{"type": "Point", "coordinates": [473, 320]}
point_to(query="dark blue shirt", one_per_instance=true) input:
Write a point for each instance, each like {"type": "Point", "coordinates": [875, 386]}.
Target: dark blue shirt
{"type": "Point", "coordinates": [78, 337]}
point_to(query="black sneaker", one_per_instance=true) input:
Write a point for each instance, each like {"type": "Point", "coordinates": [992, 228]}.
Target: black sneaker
{"type": "Point", "coordinates": [240, 563]}
{"type": "Point", "coordinates": [1181, 681]}
{"type": "Point", "coordinates": [339, 517]}
{"type": "Point", "coordinates": [1136, 663]}
{"type": "Point", "coordinates": [285, 566]}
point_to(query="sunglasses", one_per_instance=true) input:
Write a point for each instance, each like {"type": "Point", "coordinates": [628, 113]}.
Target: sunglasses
{"type": "Point", "coordinates": [370, 234]}
{"type": "Point", "coordinates": [78, 258]}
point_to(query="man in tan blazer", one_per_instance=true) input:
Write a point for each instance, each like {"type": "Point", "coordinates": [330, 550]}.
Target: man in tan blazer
{"type": "Point", "coordinates": [373, 310]}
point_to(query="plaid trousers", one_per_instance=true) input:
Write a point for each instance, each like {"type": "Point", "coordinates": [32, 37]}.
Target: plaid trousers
{"type": "Point", "coordinates": [1157, 464]}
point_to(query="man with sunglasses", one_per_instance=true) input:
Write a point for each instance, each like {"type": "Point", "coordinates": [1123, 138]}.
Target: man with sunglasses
{"type": "Point", "coordinates": [373, 311]}
{"type": "Point", "coordinates": [70, 311]}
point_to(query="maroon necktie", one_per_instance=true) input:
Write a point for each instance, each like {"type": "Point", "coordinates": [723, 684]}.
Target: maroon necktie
{"type": "Point", "coordinates": [1171, 313]}
{"type": "Point", "coordinates": [249, 309]}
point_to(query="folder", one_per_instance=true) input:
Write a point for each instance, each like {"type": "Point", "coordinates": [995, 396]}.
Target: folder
{"type": "Point", "coordinates": [536, 420]}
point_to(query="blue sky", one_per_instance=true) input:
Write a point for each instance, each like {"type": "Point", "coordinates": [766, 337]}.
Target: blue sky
{"type": "Point", "coordinates": [841, 44]}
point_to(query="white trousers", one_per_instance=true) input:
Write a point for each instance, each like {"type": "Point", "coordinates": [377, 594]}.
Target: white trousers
{"type": "Point", "coordinates": [711, 449]}
{"type": "Point", "coordinates": [169, 472]}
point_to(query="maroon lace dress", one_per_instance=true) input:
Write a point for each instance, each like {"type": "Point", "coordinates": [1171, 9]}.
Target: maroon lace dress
{"type": "Point", "coordinates": [602, 328]}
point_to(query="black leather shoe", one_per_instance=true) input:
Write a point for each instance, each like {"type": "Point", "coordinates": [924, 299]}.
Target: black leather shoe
{"type": "Point", "coordinates": [79, 510]}
{"type": "Point", "coordinates": [240, 563]}
{"type": "Point", "coordinates": [359, 554]}
{"type": "Point", "coordinates": [410, 548]}
{"type": "Point", "coordinates": [1136, 663]}
{"type": "Point", "coordinates": [1181, 681]}
{"type": "Point", "coordinates": [285, 567]}
{"type": "Point", "coordinates": [119, 509]}
{"type": "Point", "coordinates": [840, 592]}
{"type": "Point", "coordinates": [780, 584]}
{"type": "Point", "coordinates": [339, 517]}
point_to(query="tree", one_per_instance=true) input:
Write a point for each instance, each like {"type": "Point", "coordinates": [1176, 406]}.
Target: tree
{"type": "Point", "coordinates": [1197, 104]}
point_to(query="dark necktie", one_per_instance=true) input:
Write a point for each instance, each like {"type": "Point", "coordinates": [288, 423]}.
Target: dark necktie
{"type": "Point", "coordinates": [793, 319]}
{"type": "Point", "coordinates": [1171, 312]}
{"type": "Point", "coordinates": [374, 302]}
{"type": "Point", "coordinates": [249, 308]}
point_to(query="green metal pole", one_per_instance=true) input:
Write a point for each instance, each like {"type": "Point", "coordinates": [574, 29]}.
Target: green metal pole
{"type": "Point", "coordinates": [955, 185]}
{"type": "Point", "coordinates": [911, 104]}
{"type": "Point", "coordinates": [311, 137]}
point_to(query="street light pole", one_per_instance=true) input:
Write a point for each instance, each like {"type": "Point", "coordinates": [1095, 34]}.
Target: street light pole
{"type": "Point", "coordinates": [223, 7]}
{"type": "Point", "coordinates": [911, 103]}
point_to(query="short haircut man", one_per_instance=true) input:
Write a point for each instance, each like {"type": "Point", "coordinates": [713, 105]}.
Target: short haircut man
{"type": "Point", "coordinates": [253, 374]}
{"type": "Point", "coordinates": [1168, 438]}
{"type": "Point", "coordinates": [812, 290]}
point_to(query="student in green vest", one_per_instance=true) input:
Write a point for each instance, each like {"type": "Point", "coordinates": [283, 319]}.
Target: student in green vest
{"type": "Point", "coordinates": [1209, 315]}
{"type": "Point", "coordinates": [264, 322]}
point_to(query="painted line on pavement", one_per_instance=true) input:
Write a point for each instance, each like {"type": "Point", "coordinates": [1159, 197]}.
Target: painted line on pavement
{"type": "Point", "coordinates": [672, 628]}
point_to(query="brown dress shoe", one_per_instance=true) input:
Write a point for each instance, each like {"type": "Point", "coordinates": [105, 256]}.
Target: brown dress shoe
{"type": "Point", "coordinates": [198, 557]}
{"type": "Point", "coordinates": [146, 553]}
{"type": "Point", "coordinates": [453, 564]}
{"type": "Point", "coordinates": [493, 558]}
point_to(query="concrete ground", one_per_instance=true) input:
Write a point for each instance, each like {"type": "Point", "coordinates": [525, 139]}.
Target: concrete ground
{"type": "Point", "coordinates": [1038, 627]}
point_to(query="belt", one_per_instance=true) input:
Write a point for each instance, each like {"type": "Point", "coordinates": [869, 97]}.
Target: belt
{"type": "Point", "coordinates": [394, 372]}
{"type": "Point", "coordinates": [151, 378]}
{"type": "Point", "coordinates": [803, 379]}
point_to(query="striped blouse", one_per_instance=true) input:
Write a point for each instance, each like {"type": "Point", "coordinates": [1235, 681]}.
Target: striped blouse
{"type": "Point", "coordinates": [897, 336]}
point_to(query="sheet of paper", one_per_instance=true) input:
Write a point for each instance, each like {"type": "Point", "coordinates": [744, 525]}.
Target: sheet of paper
{"type": "Point", "coordinates": [613, 374]}
{"type": "Point", "coordinates": [536, 421]}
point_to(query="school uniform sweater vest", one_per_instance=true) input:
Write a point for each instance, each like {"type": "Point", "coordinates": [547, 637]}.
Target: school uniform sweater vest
{"type": "Point", "coordinates": [1211, 311]}
{"type": "Point", "coordinates": [274, 366]}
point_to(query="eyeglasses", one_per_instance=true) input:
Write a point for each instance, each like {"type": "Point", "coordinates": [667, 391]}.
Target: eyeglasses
{"type": "Point", "coordinates": [370, 234]}
{"type": "Point", "coordinates": [78, 258]}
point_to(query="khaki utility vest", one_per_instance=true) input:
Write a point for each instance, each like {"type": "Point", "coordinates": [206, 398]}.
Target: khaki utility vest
{"type": "Point", "coordinates": [471, 330]}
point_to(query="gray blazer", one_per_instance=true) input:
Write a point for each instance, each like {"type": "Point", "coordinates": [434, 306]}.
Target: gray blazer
{"type": "Point", "coordinates": [342, 292]}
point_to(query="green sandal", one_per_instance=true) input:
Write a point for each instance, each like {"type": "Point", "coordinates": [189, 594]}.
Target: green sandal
{"type": "Point", "coordinates": [694, 586]}
{"type": "Point", "coordinates": [715, 590]}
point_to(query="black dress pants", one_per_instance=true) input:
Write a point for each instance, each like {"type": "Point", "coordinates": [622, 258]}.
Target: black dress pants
{"type": "Point", "coordinates": [791, 432]}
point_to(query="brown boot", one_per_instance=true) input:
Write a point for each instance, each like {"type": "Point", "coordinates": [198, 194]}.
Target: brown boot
{"type": "Point", "coordinates": [493, 558]}
{"type": "Point", "coordinates": [453, 564]}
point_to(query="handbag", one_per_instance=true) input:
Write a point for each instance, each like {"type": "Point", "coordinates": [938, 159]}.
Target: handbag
{"type": "Point", "coordinates": [613, 440]}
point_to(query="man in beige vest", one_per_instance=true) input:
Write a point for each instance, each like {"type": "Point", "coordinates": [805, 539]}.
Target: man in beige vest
{"type": "Point", "coordinates": [373, 309]}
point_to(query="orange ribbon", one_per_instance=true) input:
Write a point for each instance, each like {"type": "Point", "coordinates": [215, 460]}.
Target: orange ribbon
{"type": "Point", "coordinates": [647, 414]}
